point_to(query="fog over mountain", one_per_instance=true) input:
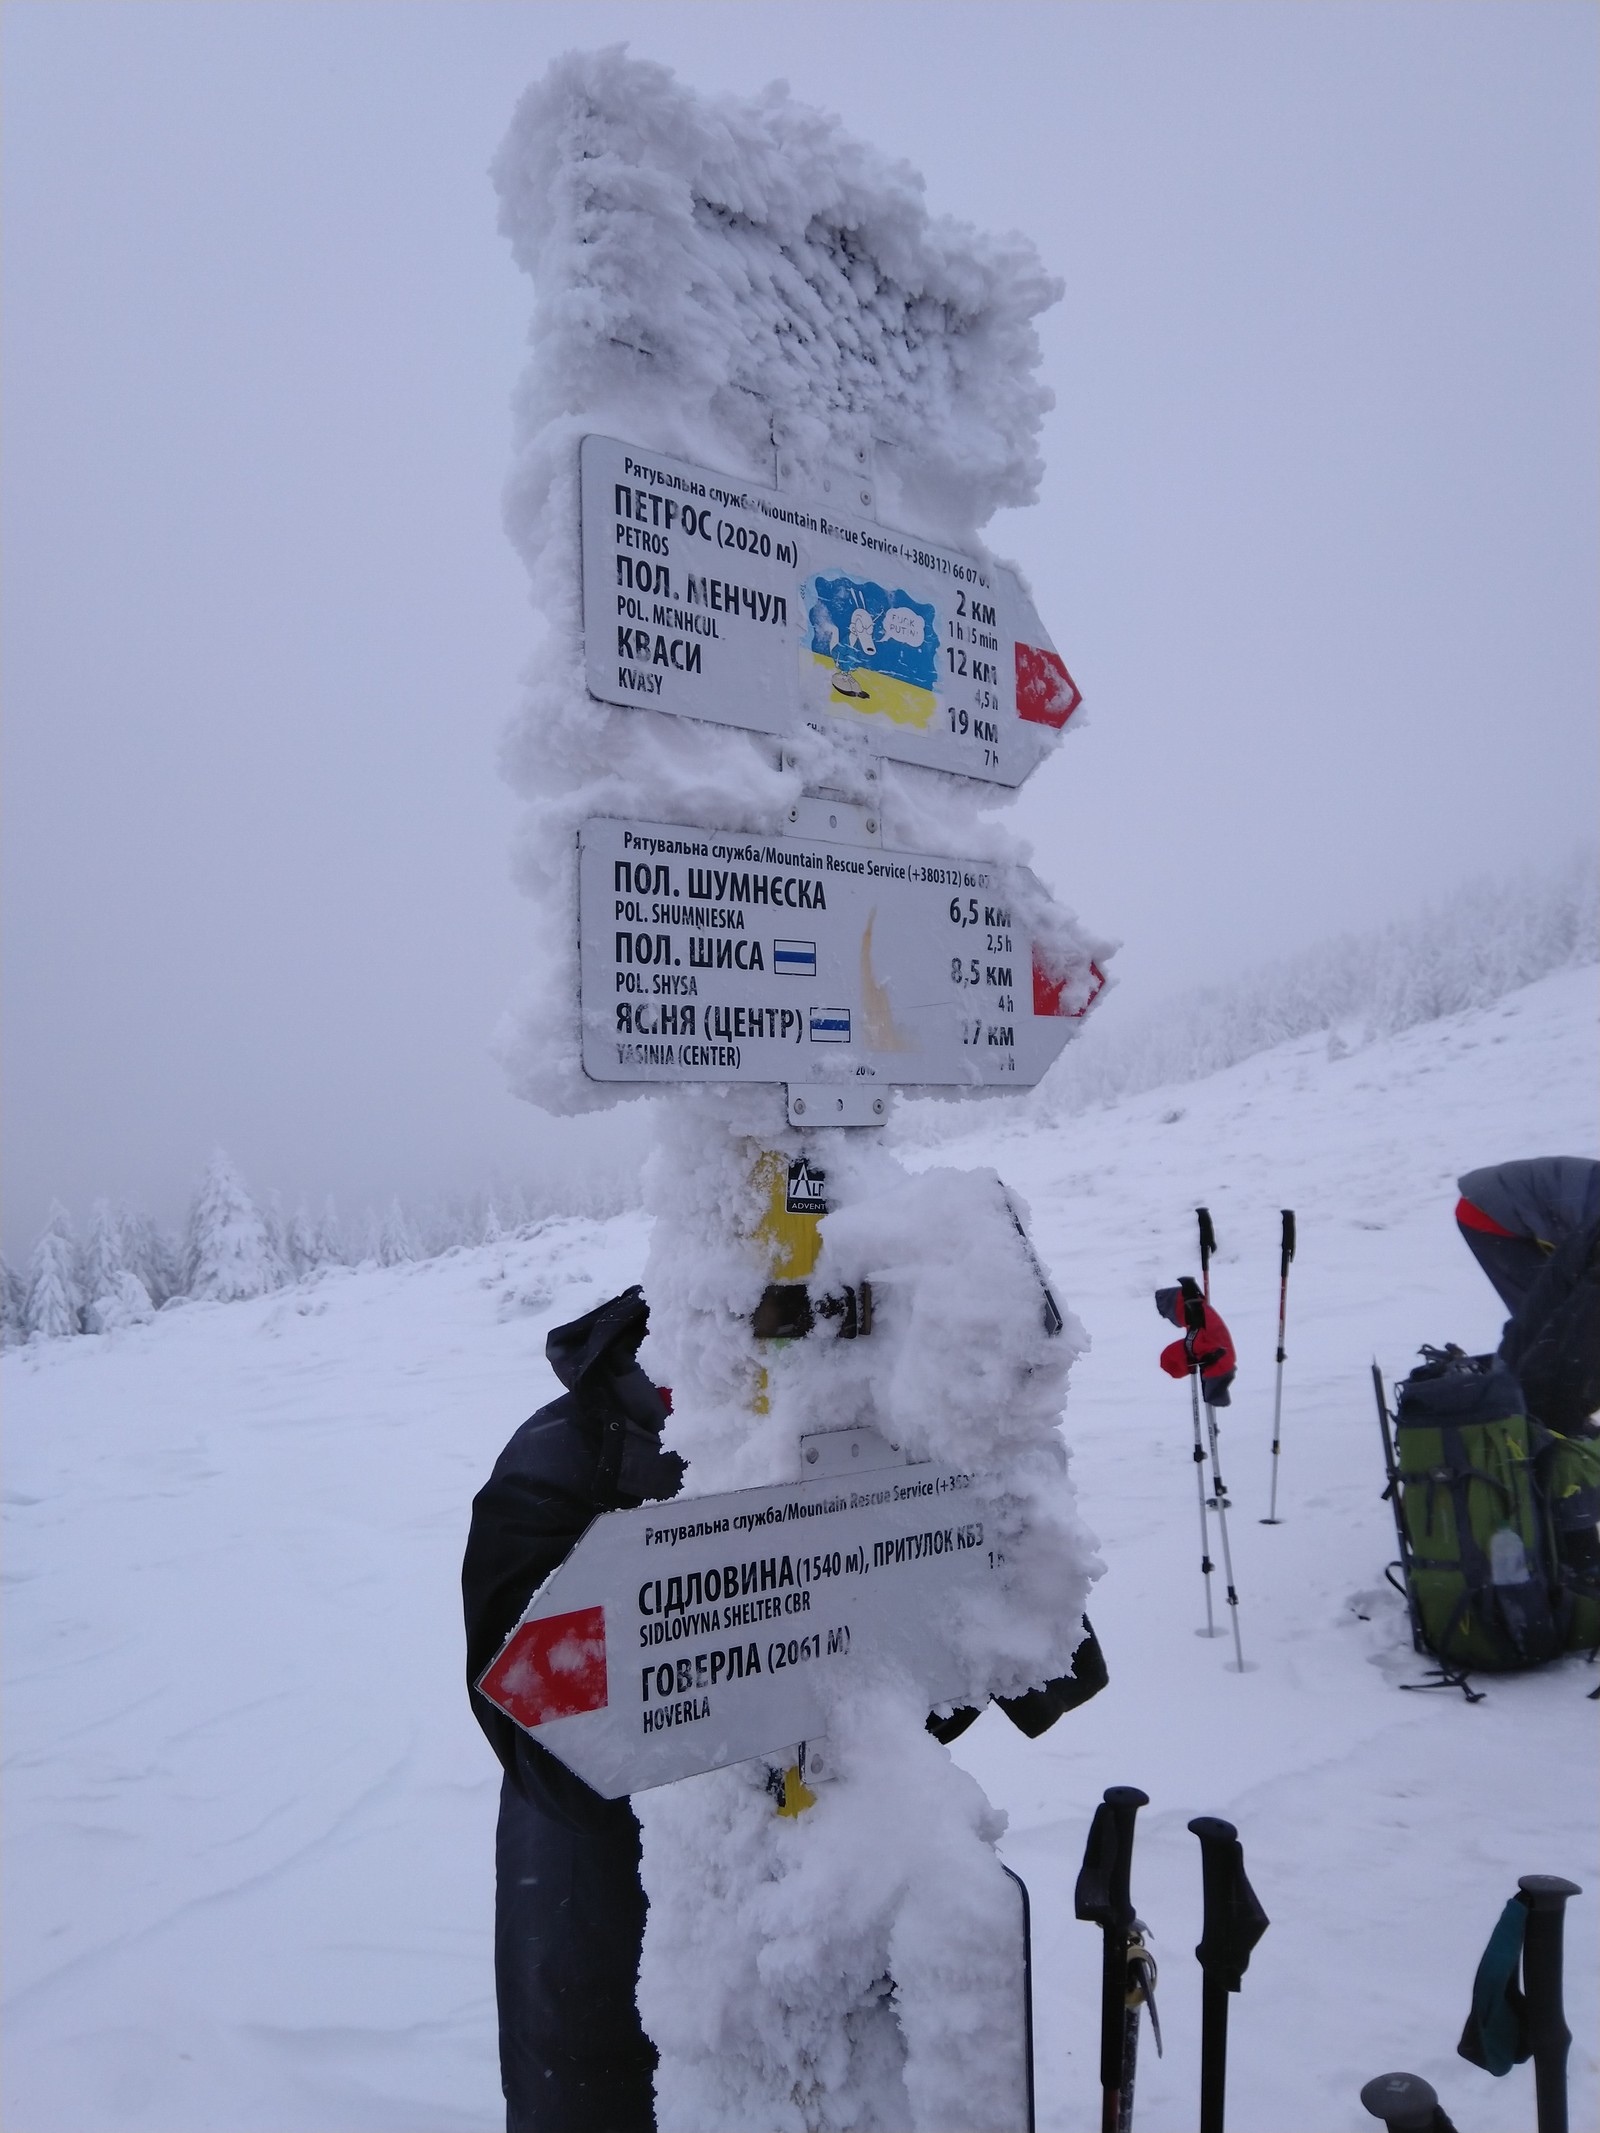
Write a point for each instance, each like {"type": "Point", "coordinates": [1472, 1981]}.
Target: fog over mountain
{"type": "Point", "coordinates": [1317, 534]}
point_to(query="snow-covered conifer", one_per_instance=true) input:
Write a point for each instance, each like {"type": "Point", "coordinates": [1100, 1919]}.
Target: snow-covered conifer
{"type": "Point", "coordinates": [105, 1254]}
{"type": "Point", "coordinates": [55, 1289]}
{"type": "Point", "coordinates": [151, 1256]}
{"type": "Point", "coordinates": [332, 1249]}
{"type": "Point", "coordinates": [229, 1252]}
{"type": "Point", "coordinates": [397, 1243]}
{"type": "Point", "coordinates": [302, 1245]}
{"type": "Point", "coordinates": [13, 1306]}
{"type": "Point", "coordinates": [125, 1303]}
{"type": "Point", "coordinates": [277, 1227]}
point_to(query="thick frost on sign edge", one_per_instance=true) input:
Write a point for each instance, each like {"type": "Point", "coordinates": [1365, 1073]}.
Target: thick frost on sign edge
{"type": "Point", "coordinates": [733, 280]}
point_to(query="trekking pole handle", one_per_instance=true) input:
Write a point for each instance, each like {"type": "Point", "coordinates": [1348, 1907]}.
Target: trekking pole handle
{"type": "Point", "coordinates": [1194, 1307]}
{"type": "Point", "coordinates": [1406, 2104]}
{"type": "Point", "coordinates": [1208, 1244]}
{"type": "Point", "coordinates": [1124, 1802]}
{"type": "Point", "coordinates": [1288, 1242]}
{"type": "Point", "coordinates": [1546, 1897]}
{"type": "Point", "coordinates": [1233, 1919]}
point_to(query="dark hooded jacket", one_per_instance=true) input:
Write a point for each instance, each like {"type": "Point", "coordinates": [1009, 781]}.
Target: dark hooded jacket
{"type": "Point", "coordinates": [1514, 1216]}
{"type": "Point", "coordinates": [597, 1448]}
{"type": "Point", "coordinates": [1534, 1228]}
{"type": "Point", "coordinates": [569, 1905]}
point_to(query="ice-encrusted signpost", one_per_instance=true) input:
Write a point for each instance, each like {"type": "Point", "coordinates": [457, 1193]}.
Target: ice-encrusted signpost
{"type": "Point", "coordinates": [770, 403]}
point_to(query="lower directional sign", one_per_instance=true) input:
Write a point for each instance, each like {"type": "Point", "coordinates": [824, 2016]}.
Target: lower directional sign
{"type": "Point", "coordinates": [680, 1637]}
{"type": "Point", "coordinates": [713, 956]}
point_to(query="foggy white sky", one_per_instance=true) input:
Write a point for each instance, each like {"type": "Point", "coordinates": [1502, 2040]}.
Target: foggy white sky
{"type": "Point", "coordinates": [1318, 538]}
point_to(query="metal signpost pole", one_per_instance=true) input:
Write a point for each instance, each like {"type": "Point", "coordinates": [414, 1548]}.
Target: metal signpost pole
{"type": "Point", "coordinates": [761, 711]}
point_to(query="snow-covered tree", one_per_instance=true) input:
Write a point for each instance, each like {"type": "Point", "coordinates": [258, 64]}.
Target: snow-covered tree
{"type": "Point", "coordinates": [397, 1244]}
{"type": "Point", "coordinates": [105, 1254]}
{"type": "Point", "coordinates": [125, 1303]}
{"type": "Point", "coordinates": [55, 1290]}
{"type": "Point", "coordinates": [229, 1252]}
{"type": "Point", "coordinates": [302, 1244]}
{"type": "Point", "coordinates": [152, 1257]}
{"type": "Point", "coordinates": [277, 1226]}
{"type": "Point", "coordinates": [330, 1231]}
{"type": "Point", "coordinates": [13, 1306]}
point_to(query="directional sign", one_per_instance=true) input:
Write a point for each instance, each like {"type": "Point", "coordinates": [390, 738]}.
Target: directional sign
{"type": "Point", "coordinates": [711, 956]}
{"type": "Point", "coordinates": [723, 600]}
{"type": "Point", "coordinates": [683, 1636]}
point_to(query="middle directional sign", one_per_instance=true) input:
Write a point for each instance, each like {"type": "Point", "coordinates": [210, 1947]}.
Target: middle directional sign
{"type": "Point", "coordinates": [724, 600]}
{"type": "Point", "coordinates": [715, 956]}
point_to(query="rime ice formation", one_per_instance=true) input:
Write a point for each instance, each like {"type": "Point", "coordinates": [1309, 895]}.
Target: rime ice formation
{"type": "Point", "coordinates": [743, 284]}
{"type": "Point", "coordinates": [733, 280]}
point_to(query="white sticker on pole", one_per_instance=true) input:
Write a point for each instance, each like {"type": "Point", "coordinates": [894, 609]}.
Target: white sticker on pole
{"type": "Point", "coordinates": [680, 1637]}
{"type": "Point", "coordinates": [708, 956]}
{"type": "Point", "coordinates": [728, 601]}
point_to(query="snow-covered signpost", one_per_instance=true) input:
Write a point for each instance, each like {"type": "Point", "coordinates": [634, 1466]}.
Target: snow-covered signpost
{"type": "Point", "coordinates": [771, 402]}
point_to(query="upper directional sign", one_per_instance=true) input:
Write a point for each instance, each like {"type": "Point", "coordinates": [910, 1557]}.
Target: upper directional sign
{"type": "Point", "coordinates": [683, 1636]}
{"type": "Point", "coordinates": [731, 602]}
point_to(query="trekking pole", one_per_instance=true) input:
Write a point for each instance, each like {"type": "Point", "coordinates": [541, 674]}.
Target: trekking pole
{"type": "Point", "coordinates": [1208, 1244]}
{"type": "Point", "coordinates": [1285, 1255]}
{"type": "Point", "coordinates": [1406, 2104]}
{"type": "Point", "coordinates": [1027, 1989]}
{"type": "Point", "coordinates": [1206, 1566]}
{"type": "Point", "coordinates": [1392, 1492]}
{"type": "Point", "coordinates": [1234, 1922]}
{"type": "Point", "coordinates": [1102, 1899]}
{"type": "Point", "coordinates": [1194, 1319]}
{"type": "Point", "coordinates": [1546, 1897]}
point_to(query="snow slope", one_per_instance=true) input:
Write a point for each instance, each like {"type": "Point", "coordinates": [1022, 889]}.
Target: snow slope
{"type": "Point", "coordinates": [248, 1819]}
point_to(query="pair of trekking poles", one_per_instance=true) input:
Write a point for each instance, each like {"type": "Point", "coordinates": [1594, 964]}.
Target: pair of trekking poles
{"type": "Point", "coordinates": [1234, 1922]}
{"type": "Point", "coordinates": [1510, 2021]}
{"type": "Point", "coordinates": [1517, 2010]}
{"type": "Point", "coordinates": [1196, 1299]}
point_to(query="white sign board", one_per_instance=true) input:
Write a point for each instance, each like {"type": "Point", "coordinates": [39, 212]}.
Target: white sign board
{"type": "Point", "coordinates": [683, 1636]}
{"type": "Point", "coordinates": [715, 956]}
{"type": "Point", "coordinates": [727, 601]}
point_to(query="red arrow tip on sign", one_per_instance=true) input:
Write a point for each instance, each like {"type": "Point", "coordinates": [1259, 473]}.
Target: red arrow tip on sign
{"type": "Point", "coordinates": [551, 1669]}
{"type": "Point", "coordinates": [1047, 695]}
{"type": "Point", "coordinates": [1049, 992]}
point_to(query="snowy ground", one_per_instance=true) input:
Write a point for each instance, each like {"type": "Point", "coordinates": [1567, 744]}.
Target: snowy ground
{"type": "Point", "coordinates": [248, 1819]}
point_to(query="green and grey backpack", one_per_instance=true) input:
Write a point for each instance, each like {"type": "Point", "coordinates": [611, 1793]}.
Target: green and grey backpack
{"type": "Point", "coordinates": [1497, 1520]}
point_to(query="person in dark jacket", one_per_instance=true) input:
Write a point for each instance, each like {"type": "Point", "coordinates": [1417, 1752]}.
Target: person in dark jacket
{"type": "Point", "coordinates": [1534, 1228]}
{"type": "Point", "coordinates": [569, 1905]}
